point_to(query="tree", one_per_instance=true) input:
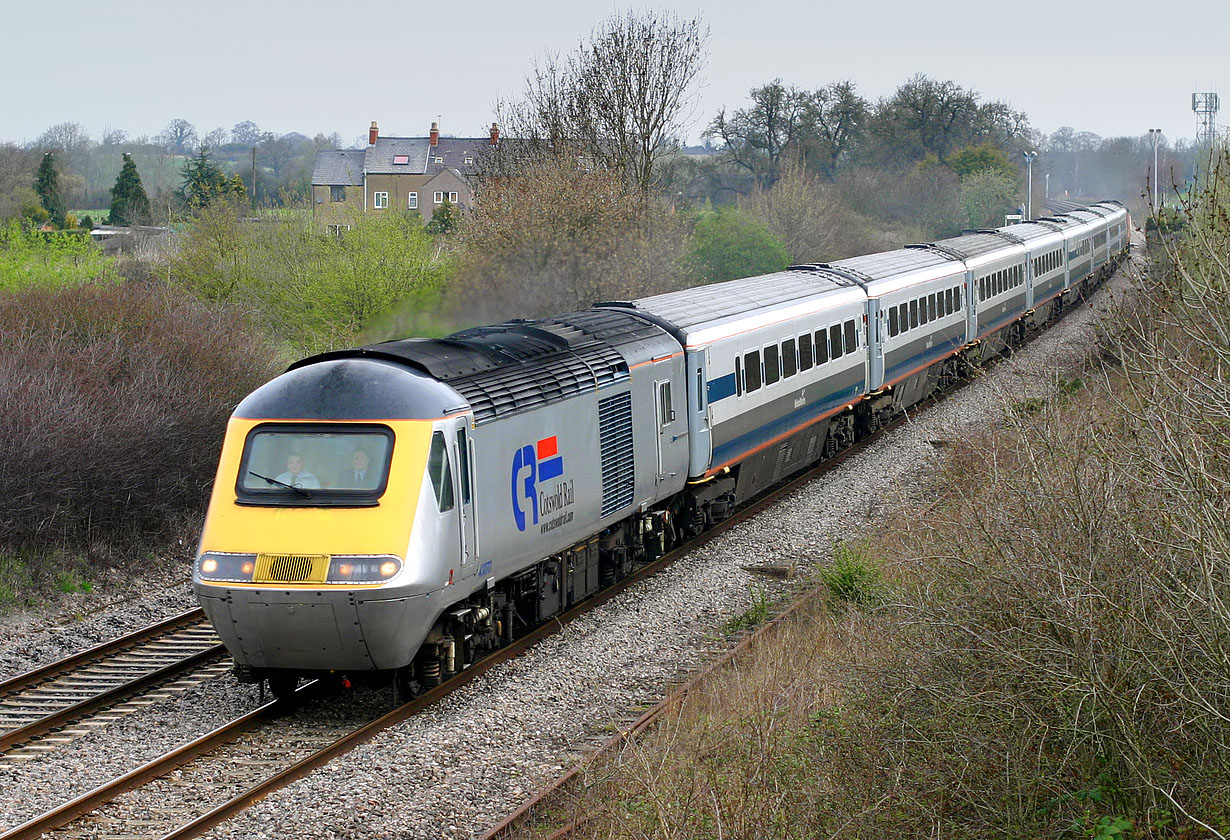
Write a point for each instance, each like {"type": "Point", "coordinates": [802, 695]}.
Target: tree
{"type": "Point", "coordinates": [215, 138]}
{"type": "Point", "coordinates": [204, 182]}
{"type": "Point", "coordinates": [445, 219]}
{"type": "Point", "coordinates": [246, 133]}
{"type": "Point", "coordinates": [729, 244]}
{"type": "Point", "coordinates": [618, 100]}
{"type": "Point", "coordinates": [47, 185]}
{"type": "Point", "coordinates": [987, 195]}
{"type": "Point", "coordinates": [981, 158]}
{"type": "Point", "coordinates": [129, 203]}
{"type": "Point", "coordinates": [818, 129]}
{"type": "Point", "coordinates": [757, 138]}
{"type": "Point", "coordinates": [179, 136]}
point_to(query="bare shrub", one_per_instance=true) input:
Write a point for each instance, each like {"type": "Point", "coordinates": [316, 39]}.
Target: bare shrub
{"type": "Point", "coordinates": [808, 215]}
{"type": "Point", "coordinates": [113, 402]}
{"type": "Point", "coordinates": [562, 237]}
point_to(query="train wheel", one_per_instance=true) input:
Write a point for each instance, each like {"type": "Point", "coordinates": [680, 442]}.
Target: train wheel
{"type": "Point", "coordinates": [405, 683]}
{"type": "Point", "coordinates": [283, 684]}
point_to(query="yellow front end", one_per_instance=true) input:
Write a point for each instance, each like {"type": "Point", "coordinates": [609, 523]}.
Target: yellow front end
{"type": "Point", "coordinates": [315, 580]}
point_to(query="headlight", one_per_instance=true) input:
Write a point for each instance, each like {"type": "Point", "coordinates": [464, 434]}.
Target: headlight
{"type": "Point", "coordinates": [233, 568]}
{"type": "Point", "coordinates": [369, 569]}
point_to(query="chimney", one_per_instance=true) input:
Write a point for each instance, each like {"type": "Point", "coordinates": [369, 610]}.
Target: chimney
{"type": "Point", "coordinates": [434, 137]}
{"type": "Point", "coordinates": [495, 134]}
{"type": "Point", "coordinates": [372, 134]}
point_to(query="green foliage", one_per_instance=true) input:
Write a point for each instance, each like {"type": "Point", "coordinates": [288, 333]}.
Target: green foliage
{"type": "Point", "coordinates": [204, 182]}
{"type": "Point", "coordinates": [728, 244]}
{"type": "Point", "coordinates": [753, 616]}
{"type": "Point", "coordinates": [34, 258]}
{"type": "Point", "coordinates": [985, 157]}
{"type": "Point", "coordinates": [852, 578]}
{"type": "Point", "coordinates": [47, 185]}
{"type": "Point", "coordinates": [988, 195]}
{"type": "Point", "coordinates": [129, 203]}
{"type": "Point", "coordinates": [445, 219]}
{"type": "Point", "coordinates": [306, 290]}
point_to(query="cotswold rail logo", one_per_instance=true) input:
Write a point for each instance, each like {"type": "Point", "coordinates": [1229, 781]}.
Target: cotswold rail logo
{"type": "Point", "coordinates": [532, 467]}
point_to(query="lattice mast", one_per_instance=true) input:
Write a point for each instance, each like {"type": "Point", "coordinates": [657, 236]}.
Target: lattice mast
{"type": "Point", "coordinates": [1205, 107]}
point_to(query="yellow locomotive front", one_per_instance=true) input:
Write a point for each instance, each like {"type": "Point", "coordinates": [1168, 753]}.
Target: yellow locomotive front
{"type": "Point", "coordinates": [320, 549]}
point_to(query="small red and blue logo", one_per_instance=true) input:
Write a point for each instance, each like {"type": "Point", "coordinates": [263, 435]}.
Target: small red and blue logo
{"type": "Point", "coordinates": [532, 464]}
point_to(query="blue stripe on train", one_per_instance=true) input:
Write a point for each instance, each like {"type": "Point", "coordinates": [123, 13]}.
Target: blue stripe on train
{"type": "Point", "coordinates": [927, 356]}
{"type": "Point", "coordinates": [720, 388]}
{"type": "Point", "coordinates": [799, 417]}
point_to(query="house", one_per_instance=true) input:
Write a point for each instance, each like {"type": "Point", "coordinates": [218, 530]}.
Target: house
{"type": "Point", "coordinates": [397, 174]}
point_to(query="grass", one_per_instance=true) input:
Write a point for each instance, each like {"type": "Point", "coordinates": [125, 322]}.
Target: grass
{"type": "Point", "coordinates": [1053, 662]}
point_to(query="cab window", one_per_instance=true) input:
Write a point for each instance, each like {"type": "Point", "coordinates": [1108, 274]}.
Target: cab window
{"type": "Point", "coordinates": [300, 464]}
{"type": "Point", "coordinates": [439, 472]}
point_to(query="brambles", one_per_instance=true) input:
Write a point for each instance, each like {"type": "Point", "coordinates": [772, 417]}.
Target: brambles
{"type": "Point", "coordinates": [113, 400]}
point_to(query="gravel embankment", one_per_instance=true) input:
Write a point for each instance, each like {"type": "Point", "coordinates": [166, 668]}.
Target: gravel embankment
{"type": "Point", "coordinates": [459, 767]}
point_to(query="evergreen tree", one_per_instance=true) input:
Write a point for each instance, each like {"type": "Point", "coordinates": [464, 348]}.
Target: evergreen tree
{"type": "Point", "coordinates": [129, 203]}
{"type": "Point", "coordinates": [47, 185]}
{"type": "Point", "coordinates": [204, 182]}
{"type": "Point", "coordinates": [445, 218]}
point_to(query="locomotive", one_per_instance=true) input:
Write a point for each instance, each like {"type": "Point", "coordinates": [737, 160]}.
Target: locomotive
{"type": "Point", "coordinates": [409, 505]}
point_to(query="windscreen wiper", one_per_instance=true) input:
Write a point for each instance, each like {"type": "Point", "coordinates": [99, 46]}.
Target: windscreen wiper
{"type": "Point", "coordinates": [298, 490]}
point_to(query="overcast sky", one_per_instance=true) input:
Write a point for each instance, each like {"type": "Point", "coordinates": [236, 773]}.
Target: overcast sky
{"type": "Point", "coordinates": [1113, 68]}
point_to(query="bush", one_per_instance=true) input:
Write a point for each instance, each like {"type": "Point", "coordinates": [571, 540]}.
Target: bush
{"type": "Point", "coordinates": [35, 258]}
{"type": "Point", "coordinates": [728, 244]}
{"type": "Point", "coordinates": [113, 403]}
{"type": "Point", "coordinates": [560, 237]}
{"type": "Point", "coordinates": [308, 291]}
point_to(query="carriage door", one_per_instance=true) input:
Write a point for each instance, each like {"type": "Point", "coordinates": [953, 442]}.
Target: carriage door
{"type": "Point", "coordinates": [665, 416]}
{"type": "Point", "coordinates": [463, 457]}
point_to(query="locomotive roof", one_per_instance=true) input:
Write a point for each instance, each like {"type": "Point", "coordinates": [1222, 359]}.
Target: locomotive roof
{"type": "Point", "coordinates": [517, 365]}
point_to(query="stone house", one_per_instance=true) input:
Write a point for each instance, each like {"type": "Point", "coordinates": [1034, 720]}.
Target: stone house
{"type": "Point", "coordinates": [397, 174]}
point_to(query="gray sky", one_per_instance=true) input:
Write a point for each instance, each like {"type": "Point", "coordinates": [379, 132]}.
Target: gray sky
{"type": "Point", "coordinates": [1113, 68]}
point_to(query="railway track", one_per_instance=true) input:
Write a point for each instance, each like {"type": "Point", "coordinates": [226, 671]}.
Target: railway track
{"type": "Point", "coordinates": [203, 783]}
{"type": "Point", "coordinates": [47, 707]}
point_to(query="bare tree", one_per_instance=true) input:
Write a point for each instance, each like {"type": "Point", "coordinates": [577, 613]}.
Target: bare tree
{"type": "Point", "coordinates": [619, 101]}
{"type": "Point", "coordinates": [179, 136]}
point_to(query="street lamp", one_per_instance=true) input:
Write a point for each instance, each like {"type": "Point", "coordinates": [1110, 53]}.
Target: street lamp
{"type": "Point", "coordinates": [1048, 185]}
{"type": "Point", "coordinates": [1029, 184]}
{"type": "Point", "coordinates": [1155, 134]}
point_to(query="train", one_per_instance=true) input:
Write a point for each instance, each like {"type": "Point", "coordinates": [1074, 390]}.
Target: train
{"type": "Point", "coordinates": [407, 506]}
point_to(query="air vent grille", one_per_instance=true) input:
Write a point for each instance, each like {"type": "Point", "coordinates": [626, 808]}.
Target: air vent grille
{"type": "Point", "coordinates": [618, 460]}
{"type": "Point", "coordinates": [291, 568]}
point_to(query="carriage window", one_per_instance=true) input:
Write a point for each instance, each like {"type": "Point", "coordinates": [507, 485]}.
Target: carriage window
{"type": "Point", "coordinates": [738, 376]}
{"type": "Point", "coordinates": [835, 349]}
{"type": "Point", "coordinates": [948, 308]}
{"type": "Point", "coordinates": [664, 403]}
{"type": "Point", "coordinates": [751, 370]}
{"type": "Point", "coordinates": [438, 470]}
{"type": "Point", "coordinates": [956, 294]}
{"type": "Point", "coordinates": [790, 362]}
{"type": "Point", "coordinates": [805, 351]}
{"type": "Point", "coordinates": [922, 310]}
{"type": "Point", "coordinates": [892, 322]}
{"type": "Point", "coordinates": [931, 306]}
{"type": "Point", "coordinates": [851, 337]}
{"type": "Point", "coordinates": [913, 314]}
{"type": "Point", "coordinates": [822, 346]}
{"type": "Point", "coordinates": [772, 365]}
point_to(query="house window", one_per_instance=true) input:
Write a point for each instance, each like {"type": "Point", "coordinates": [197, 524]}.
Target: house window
{"type": "Point", "coordinates": [469, 161]}
{"type": "Point", "coordinates": [337, 193]}
{"type": "Point", "coordinates": [414, 201]}
{"type": "Point", "coordinates": [336, 230]}
{"type": "Point", "coordinates": [380, 200]}
{"type": "Point", "coordinates": [439, 197]}
{"type": "Point", "coordinates": [452, 197]}
{"type": "Point", "coordinates": [401, 160]}
{"type": "Point", "coordinates": [439, 160]}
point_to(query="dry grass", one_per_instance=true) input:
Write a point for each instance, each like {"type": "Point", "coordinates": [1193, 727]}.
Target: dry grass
{"type": "Point", "coordinates": [1054, 658]}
